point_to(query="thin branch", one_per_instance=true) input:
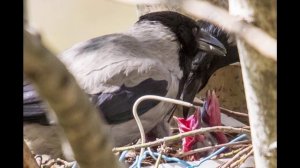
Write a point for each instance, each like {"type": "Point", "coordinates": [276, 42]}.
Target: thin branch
{"type": "Point", "coordinates": [211, 148]}
{"type": "Point", "coordinates": [242, 160]}
{"type": "Point", "coordinates": [160, 155]}
{"type": "Point", "coordinates": [199, 102]}
{"type": "Point", "coordinates": [231, 153]}
{"type": "Point", "coordinates": [182, 135]}
{"type": "Point", "coordinates": [246, 127]}
{"type": "Point", "coordinates": [237, 156]}
{"type": "Point", "coordinates": [233, 113]}
{"type": "Point", "coordinates": [254, 36]}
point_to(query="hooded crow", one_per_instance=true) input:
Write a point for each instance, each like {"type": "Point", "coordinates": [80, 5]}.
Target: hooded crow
{"type": "Point", "coordinates": [153, 57]}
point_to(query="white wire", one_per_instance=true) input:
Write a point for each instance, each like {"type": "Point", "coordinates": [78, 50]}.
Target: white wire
{"type": "Point", "coordinates": [153, 97]}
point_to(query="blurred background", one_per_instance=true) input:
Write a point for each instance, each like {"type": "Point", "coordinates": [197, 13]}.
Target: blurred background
{"type": "Point", "coordinates": [63, 23]}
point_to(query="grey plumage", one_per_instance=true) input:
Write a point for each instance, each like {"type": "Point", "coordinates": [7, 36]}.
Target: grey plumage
{"type": "Point", "coordinates": [152, 57]}
{"type": "Point", "coordinates": [147, 51]}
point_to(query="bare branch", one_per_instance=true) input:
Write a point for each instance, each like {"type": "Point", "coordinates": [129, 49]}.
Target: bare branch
{"type": "Point", "coordinates": [231, 153]}
{"type": "Point", "coordinates": [260, 80]}
{"type": "Point", "coordinates": [211, 148]}
{"type": "Point", "coordinates": [242, 160]}
{"type": "Point", "coordinates": [29, 161]}
{"type": "Point", "coordinates": [237, 156]}
{"type": "Point", "coordinates": [182, 135]}
{"type": "Point", "coordinates": [198, 101]}
{"type": "Point", "coordinates": [79, 119]}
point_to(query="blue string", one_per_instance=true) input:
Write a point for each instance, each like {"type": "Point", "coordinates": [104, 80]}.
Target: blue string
{"type": "Point", "coordinates": [221, 149]}
{"type": "Point", "coordinates": [123, 154]}
{"type": "Point", "coordinates": [154, 155]}
{"type": "Point", "coordinates": [135, 162]}
{"type": "Point", "coordinates": [151, 153]}
{"type": "Point", "coordinates": [75, 165]}
{"type": "Point", "coordinates": [166, 158]}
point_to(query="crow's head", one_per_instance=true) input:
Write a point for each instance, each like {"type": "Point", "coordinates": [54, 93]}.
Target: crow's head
{"type": "Point", "coordinates": [208, 60]}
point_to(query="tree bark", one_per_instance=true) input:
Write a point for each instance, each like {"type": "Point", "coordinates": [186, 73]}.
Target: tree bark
{"type": "Point", "coordinates": [79, 119]}
{"type": "Point", "coordinates": [259, 76]}
{"type": "Point", "coordinates": [28, 159]}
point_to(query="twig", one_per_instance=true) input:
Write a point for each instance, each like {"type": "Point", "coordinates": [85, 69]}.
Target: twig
{"type": "Point", "coordinates": [242, 160]}
{"type": "Point", "coordinates": [198, 102]}
{"type": "Point", "coordinates": [210, 148]}
{"type": "Point", "coordinates": [238, 155]}
{"type": "Point", "coordinates": [160, 155]}
{"type": "Point", "coordinates": [182, 135]}
{"type": "Point", "coordinates": [254, 36]}
{"type": "Point", "coordinates": [222, 155]}
{"type": "Point", "coordinates": [235, 113]}
{"type": "Point", "coordinates": [246, 127]}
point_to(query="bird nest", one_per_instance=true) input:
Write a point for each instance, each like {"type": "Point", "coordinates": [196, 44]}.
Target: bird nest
{"type": "Point", "coordinates": [232, 153]}
{"type": "Point", "coordinates": [235, 155]}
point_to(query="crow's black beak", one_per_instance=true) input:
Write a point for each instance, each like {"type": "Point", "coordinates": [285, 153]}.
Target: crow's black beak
{"type": "Point", "coordinates": [210, 44]}
{"type": "Point", "coordinates": [191, 88]}
{"type": "Point", "coordinates": [200, 68]}
{"type": "Point", "coordinates": [197, 78]}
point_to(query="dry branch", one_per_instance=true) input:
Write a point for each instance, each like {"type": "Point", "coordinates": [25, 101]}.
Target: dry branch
{"type": "Point", "coordinates": [78, 118]}
{"type": "Point", "coordinates": [231, 153]}
{"type": "Point", "coordinates": [182, 135]}
{"type": "Point", "coordinates": [197, 101]}
{"type": "Point", "coordinates": [242, 160]}
{"type": "Point", "coordinates": [237, 156]}
{"type": "Point", "coordinates": [28, 159]}
{"type": "Point", "coordinates": [260, 80]}
{"type": "Point", "coordinates": [211, 148]}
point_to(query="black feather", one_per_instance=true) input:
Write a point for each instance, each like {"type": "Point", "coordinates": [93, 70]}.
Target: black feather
{"type": "Point", "coordinates": [117, 106]}
{"type": "Point", "coordinates": [34, 110]}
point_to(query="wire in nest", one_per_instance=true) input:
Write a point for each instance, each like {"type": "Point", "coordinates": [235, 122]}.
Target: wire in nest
{"type": "Point", "coordinates": [221, 149]}
{"type": "Point", "coordinates": [153, 97]}
{"type": "Point", "coordinates": [166, 158]}
{"type": "Point", "coordinates": [154, 154]}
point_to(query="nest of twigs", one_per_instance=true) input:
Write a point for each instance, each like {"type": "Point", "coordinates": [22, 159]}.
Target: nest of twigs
{"type": "Point", "coordinates": [236, 153]}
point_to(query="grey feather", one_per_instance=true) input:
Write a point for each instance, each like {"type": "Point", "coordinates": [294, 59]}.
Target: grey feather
{"type": "Point", "coordinates": [129, 58]}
